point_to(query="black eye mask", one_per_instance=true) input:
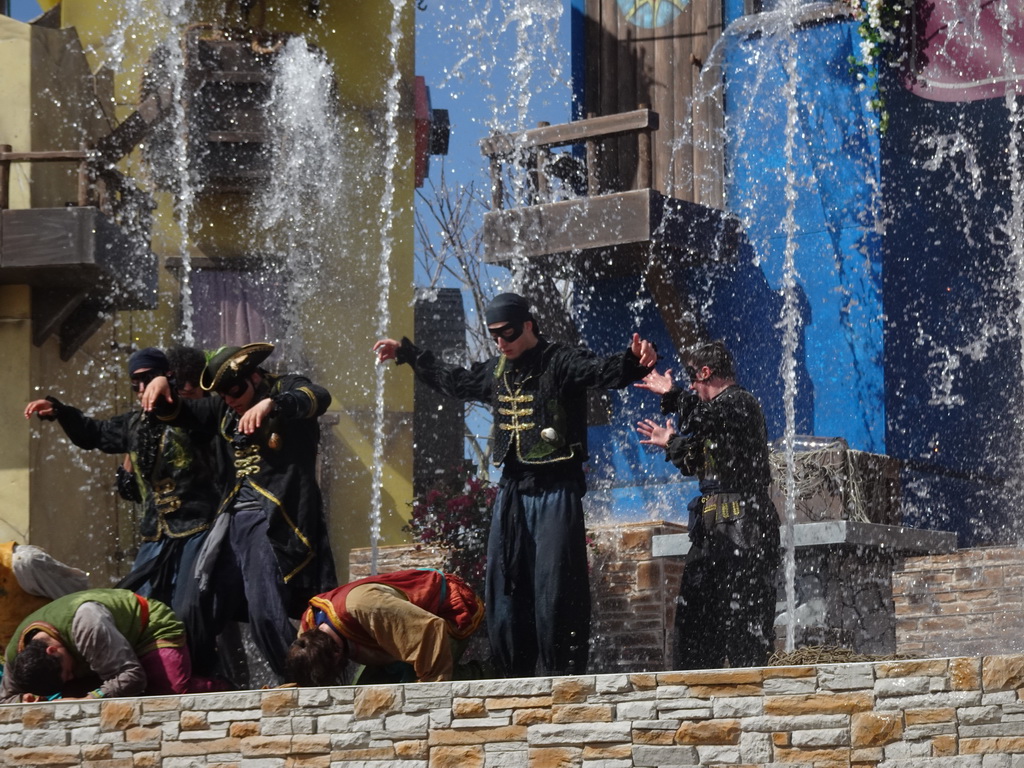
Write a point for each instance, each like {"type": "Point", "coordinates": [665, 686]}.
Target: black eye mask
{"type": "Point", "coordinates": [509, 332]}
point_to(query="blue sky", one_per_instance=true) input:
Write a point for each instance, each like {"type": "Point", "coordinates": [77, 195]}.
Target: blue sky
{"type": "Point", "coordinates": [488, 66]}
{"type": "Point", "coordinates": [23, 10]}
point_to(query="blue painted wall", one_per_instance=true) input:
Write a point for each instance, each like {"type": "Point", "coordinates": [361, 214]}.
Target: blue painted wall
{"type": "Point", "coordinates": [838, 298]}
{"type": "Point", "coordinates": [953, 350]}
{"type": "Point", "coordinates": [632, 480]}
{"type": "Point", "coordinates": [835, 181]}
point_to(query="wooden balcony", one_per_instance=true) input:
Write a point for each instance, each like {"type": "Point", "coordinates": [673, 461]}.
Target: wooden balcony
{"type": "Point", "coordinates": [604, 230]}
{"type": "Point", "coordinates": [611, 222]}
{"type": "Point", "coordinates": [611, 235]}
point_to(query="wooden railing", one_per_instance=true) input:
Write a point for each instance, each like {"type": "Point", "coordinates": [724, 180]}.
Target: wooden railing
{"type": "Point", "coordinates": [82, 156]}
{"type": "Point", "coordinates": [99, 183]}
{"type": "Point", "coordinates": [533, 148]}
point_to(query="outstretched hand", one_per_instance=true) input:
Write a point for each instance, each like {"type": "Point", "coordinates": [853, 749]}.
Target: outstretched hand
{"type": "Point", "coordinates": [386, 349]}
{"type": "Point", "coordinates": [643, 350]}
{"type": "Point", "coordinates": [253, 418]}
{"type": "Point", "coordinates": [654, 433]}
{"type": "Point", "coordinates": [43, 407]}
{"type": "Point", "coordinates": [157, 389]}
{"type": "Point", "coordinates": [658, 383]}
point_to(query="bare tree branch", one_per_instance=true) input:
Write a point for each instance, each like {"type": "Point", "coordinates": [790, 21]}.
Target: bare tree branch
{"type": "Point", "coordinates": [449, 253]}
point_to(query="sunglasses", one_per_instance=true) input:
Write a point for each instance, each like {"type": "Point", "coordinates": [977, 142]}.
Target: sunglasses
{"type": "Point", "coordinates": [143, 378]}
{"type": "Point", "coordinates": [509, 332]}
{"type": "Point", "coordinates": [692, 373]}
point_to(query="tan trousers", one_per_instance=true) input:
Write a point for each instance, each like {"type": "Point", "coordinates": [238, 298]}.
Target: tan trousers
{"type": "Point", "coordinates": [402, 631]}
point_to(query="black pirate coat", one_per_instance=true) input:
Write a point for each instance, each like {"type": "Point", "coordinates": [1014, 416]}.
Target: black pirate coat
{"type": "Point", "coordinates": [538, 401]}
{"type": "Point", "coordinates": [174, 467]}
{"type": "Point", "coordinates": [278, 461]}
{"type": "Point", "coordinates": [723, 442]}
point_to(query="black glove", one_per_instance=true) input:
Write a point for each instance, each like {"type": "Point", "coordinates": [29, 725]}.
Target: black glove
{"type": "Point", "coordinates": [57, 405]}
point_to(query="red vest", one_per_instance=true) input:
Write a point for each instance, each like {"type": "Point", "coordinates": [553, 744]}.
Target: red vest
{"type": "Point", "coordinates": [443, 594]}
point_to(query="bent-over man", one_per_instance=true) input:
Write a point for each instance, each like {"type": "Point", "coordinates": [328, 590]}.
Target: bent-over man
{"type": "Point", "coordinates": [403, 626]}
{"type": "Point", "coordinates": [100, 643]}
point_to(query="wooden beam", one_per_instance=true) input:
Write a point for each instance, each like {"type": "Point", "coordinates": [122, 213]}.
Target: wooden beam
{"type": "Point", "coordinates": [622, 222]}
{"type": "Point", "coordinates": [643, 170]}
{"type": "Point", "coordinates": [571, 133]}
{"type": "Point", "coordinates": [136, 126]}
{"type": "Point", "coordinates": [5, 181]}
{"type": "Point", "coordinates": [84, 180]}
{"type": "Point", "coordinates": [497, 186]}
{"type": "Point", "coordinates": [541, 184]}
{"type": "Point", "coordinates": [76, 329]}
{"type": "Point", "coordinates": [55, 155]}
{"type": "Point", "coordinates": [256, 76]}
{"type": "Point", "coordinates": [237, 137]}
{"type": "Point", "coordinates": [593, 150]}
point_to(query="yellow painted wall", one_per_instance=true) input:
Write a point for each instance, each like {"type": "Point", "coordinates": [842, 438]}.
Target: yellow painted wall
{"type": "Point", "coordinates": [51, 494]}
{"type": "Point", "coordinates": [15, 340]}
{"type": "Point", "coordinates": [16, 95]}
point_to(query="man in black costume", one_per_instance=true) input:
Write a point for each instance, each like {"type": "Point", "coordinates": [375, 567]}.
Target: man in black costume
{"type": "Point", "coordinates": [268, 552]}
{"type": "Point", "coordinates": [186, 365]}
{"type": "Point", "coordinates": [172, 476]}
{"type": "Point", "coordinates": [537, 592]}
{"type": "Point", "coordinates": [726, 605]}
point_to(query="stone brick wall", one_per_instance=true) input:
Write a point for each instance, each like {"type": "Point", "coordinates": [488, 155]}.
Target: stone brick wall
{"type": "Point", "coordinates": [632, 592]}
{"type": "Point", "coordinates": [970, 602]}
{"type": "Point", "coordinates": [633, 595]}
{"type": "Point", "coordinates": [963, 712]}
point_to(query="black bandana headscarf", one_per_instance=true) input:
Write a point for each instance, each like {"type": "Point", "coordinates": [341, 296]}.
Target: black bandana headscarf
{"type": "Point", "coordinates": [151, 358]}
{"type": "Point", "coordinates": [508, 308]}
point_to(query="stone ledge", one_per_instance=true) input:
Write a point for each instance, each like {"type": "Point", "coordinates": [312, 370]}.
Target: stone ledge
{"type": "Point", "coordinates": [927, 713]}
{"type": "Point", "coordinates": [834, 533]}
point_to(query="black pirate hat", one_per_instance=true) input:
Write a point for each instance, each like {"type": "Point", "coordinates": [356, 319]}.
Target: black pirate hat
{"type": "Point", "coordinates": [230, 365]}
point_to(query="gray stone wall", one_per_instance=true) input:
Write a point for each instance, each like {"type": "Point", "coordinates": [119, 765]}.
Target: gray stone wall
{"type": "Point", "coordinates": [970, 602]}
{"type": "Point", "coordinates": [962, 712]}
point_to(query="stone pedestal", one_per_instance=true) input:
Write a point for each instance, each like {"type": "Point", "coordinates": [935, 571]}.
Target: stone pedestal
{"type": "Point", "coordinates": [843, 580]}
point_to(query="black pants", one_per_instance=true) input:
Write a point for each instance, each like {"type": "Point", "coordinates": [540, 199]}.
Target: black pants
{"type": "Point", "coordinates": [541, 610]}
{"type": "Point", "coordinates": [248, 585]}
{"type": "Point", "coordinates": [726, 610]}
{"type": "Point", "coordinates": [165, 570]}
